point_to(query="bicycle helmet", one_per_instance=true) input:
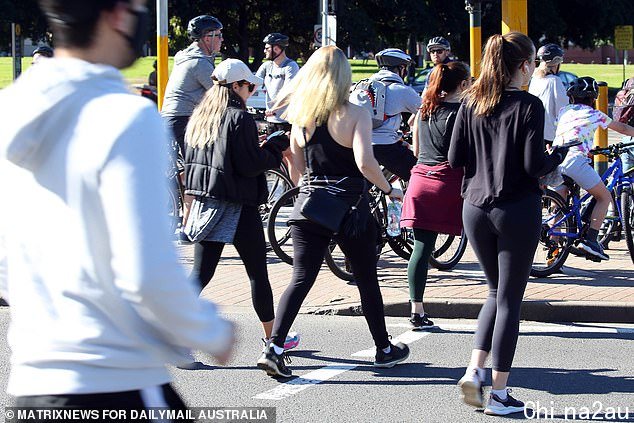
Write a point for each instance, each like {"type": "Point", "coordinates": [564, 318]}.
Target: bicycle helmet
{"type": "Point", "coordinates": [45, 51]}
{"type": "Point", "coordinates": [276, 39]}
{"type": "Point", "coordinates": [584, 87]}
{"type": "Point", "coordinates": [201, 25]}
{"type": "Point", "coordinates": [392, 57]}
{"type": "Point", "coordinates": [438, 42]}
{"type": "Point", "coordinates": [550, 53]}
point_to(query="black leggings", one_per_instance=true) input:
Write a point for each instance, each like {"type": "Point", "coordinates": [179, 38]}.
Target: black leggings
{"type": "Point", "coordinates": [418, 265]}
{"type": "Point", "coordinates": [396, 158]}
{"type": "Point", "coordinates": [504, 239]}
{"type": "Point", "coordinates": [251, 246]}
{"type": "Point", "coordinates": [120, 403]}
{"type": "Point", "coordinates": [309, 248]}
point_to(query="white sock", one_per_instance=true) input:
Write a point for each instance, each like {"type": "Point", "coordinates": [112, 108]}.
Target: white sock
{"type": "Point", "coordinates": [278, 350]}
{"type": "Point", "coordinates": [387, 349]}
{"type": "Point", "coordinates": [500, 393]}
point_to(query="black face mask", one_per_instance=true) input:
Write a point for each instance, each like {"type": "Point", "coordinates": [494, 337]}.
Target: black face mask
{"type": "Point", "coordinates": [137, 40]}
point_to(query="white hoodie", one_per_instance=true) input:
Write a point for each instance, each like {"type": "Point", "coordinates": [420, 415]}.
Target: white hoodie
{"type": "Point", "coordinates": [97, 298]}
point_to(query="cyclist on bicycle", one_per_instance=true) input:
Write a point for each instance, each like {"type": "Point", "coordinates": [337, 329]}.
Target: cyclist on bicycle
{"type": "Point", "coordinates": [577, 122]}
{"type": "Point", "coordinates": [389, 149]}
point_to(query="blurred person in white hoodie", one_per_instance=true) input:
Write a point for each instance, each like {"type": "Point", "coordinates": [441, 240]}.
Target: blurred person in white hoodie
{"type": "Point", "coordinates": [98, 301]}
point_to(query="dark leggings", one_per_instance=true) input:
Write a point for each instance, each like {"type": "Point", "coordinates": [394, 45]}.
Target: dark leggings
{"type": "Point", "coordinates": [504, 239]}
{"type": "Point", "coordinates": [424, 242]}
{"type": "Point", "coordinates": [177, 126]}
{"type": "Point", "coordinates": [309, 248]}
{"type": "Point", "coordinates": [251, 246]}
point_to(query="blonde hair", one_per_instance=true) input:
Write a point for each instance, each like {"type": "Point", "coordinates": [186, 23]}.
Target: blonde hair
{"type": "Point", "coordinates": [321, 86]}
{"type": "Point", "coordinates": [203, 125]}
{"type": "Point", "coordinates": [544, 69]}
{"type": "Point", "coordinates": [503, 55]}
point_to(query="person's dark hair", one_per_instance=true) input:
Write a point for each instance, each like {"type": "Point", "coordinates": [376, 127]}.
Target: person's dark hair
{"type": "Point", "coordinates": [73, 22]}
{"type": "Point", "coordinates": [443, 79]}
{"type": "Point", "coordinates": [503, 56]}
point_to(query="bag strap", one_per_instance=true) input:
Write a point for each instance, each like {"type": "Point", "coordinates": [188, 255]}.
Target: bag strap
{"type": "Point", "coordinates": [305, 148]}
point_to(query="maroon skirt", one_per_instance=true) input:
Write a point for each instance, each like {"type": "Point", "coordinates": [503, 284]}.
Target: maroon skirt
{"type": "Point", "coordinates": [433, 200]}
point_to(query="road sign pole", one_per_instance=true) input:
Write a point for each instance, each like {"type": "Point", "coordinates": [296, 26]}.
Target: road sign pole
{"type": "Point", "coordinates": [16, 49]}
{"type": "Point", "coordinates": [601, 135]}
{"type": "Point", "coordinates": [162, 55]}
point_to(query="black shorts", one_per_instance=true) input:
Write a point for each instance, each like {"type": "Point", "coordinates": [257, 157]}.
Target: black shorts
{"type": "Point", "coordinates": [273, 127]}
{"type": "Point", "coordinates": [396, 158]}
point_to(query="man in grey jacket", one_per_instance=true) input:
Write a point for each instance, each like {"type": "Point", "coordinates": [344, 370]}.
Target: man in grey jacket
{"type": "Point", "coordinates": [191, 75]}
{"type": "Point", "coordinates": [389, 149]}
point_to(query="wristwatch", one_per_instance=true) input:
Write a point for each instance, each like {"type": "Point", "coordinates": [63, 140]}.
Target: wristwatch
{"type": "Point", "coordinates": [390, 191]}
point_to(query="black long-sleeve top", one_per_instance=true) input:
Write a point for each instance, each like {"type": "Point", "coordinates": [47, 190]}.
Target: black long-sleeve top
{"type": "Point", "coordinates": [503, 153]}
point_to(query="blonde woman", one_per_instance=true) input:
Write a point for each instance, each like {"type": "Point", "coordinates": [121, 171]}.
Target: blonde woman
{"type": "Point", "coordinates": [546, 85]}
{"type": "Point", "coordinates": [336, 137]}
{"type": "Point", "coordinates": [224, 171]}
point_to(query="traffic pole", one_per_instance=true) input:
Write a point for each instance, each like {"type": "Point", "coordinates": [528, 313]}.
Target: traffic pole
{"type": "Point", "coordinates": [601, 135]}
{"type": "Point", "coordinates": [162, 51]}
{"type": "Point", "coordinates": [514, 16]}
{"type": "Point", "coordinates": [324, 23]}
{"type": "Point", "coordinates": [475, 35]}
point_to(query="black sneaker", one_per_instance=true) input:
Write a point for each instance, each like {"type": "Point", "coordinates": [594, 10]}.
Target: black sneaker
{"type": "Point", "coordinates": [398, 353]}
{"type": "Point", "coordinates": [593, 248]}
{"type": "Point", "coordinates": [497, 407]}
{"type": "Point", "coordinates": [421, 322]}
{"type": "Point", "coordinates": [274, 364]}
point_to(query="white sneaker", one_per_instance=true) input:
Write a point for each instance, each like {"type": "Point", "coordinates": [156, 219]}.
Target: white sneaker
{"type": "Point", "coordinates": [471, 386]}
{"type": "Point", "coordinates": [497, 407]}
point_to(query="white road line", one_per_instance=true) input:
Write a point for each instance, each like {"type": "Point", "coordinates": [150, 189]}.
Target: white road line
{"type": "Point", "coordinates": [532, 328]}
{"type": "Point", "coordinates": [297, 385]}
{"type": "Point", "coordinates": [301, 383]}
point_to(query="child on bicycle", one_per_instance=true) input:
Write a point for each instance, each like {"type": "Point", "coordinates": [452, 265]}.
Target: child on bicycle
{"type": "Point", "coordinates": [577, 122]}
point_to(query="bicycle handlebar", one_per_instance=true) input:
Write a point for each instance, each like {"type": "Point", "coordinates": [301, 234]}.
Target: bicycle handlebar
{"type": "Point", "coordinates": [612, 150]}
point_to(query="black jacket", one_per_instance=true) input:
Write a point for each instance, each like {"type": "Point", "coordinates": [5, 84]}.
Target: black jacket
{"type": "Point", "coordinates": [232, 167]}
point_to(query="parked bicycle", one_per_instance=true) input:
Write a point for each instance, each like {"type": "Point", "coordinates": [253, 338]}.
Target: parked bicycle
{"type": "Point", "coordinates": [564, 221]}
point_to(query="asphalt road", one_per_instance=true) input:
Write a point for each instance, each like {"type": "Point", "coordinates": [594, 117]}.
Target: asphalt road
{"type": "Point", "coordinates": [558, 367]}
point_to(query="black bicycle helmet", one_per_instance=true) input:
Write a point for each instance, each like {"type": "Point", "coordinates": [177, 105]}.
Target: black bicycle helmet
{"type": "Point", "coordinates": [584, 87]}
{"type": "Point", "coordinates": [550, 53]}
{"type": "Point", "coordinates": [201, 25]}
{"type": "Point", "coordinates": [276, 39]}
{"type": "Point", "coordinates": [392, 57]}
{"type": "Point", "coordinates": [438, 42]}
{"type": "Point", "coordinates": [45, 51]}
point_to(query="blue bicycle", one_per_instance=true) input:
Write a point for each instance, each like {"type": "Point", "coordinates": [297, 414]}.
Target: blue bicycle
{"type": "Point", "coordinates": [565, 222]}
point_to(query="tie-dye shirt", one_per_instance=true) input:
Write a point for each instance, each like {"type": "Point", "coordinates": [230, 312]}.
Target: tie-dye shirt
{"type": "Point", "coordinates": [579, 122]}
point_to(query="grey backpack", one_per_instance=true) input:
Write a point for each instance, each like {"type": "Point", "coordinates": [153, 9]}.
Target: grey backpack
{"type": "Point", "coordinates": [370, 94]}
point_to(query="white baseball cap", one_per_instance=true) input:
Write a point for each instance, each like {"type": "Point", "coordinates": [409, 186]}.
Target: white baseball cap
{"type": "Point", "coordinates": [234, 70]}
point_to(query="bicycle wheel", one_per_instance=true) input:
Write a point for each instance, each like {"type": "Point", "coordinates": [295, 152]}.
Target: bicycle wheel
{"type": "Point", "coordinates": [627, 219]}
{"type": "Point", "coordinates": [338, 263]}
{"type": "Point", "coordinates": [174, 206]}
{"type": "Point", "coordinates": [611, 226]}
{"type": "Point", "coordinates": [552, 251]}
{"type": "Point", "coordinates": [448, 251]}
{"type": "Point", "coordinates": [277, 183]}
{"type": "Point", "coordinates": [277, 229]}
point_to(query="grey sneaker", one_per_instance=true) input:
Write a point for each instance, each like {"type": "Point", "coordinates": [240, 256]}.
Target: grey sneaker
{"type": "Point", "coordinates": [497, 407]}
{"type": "Point", "coordinates": [471, 386]}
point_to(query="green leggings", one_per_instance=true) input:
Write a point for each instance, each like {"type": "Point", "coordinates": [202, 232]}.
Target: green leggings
{"type": "Point", "coordinates": [424, 242]}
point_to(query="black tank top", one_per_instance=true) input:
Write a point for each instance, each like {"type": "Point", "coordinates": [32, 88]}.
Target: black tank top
{"type": "Point", "coordinates": [326, 157]}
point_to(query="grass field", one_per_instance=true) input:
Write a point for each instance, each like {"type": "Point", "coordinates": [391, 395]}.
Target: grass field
{"type": "Point", "coordinates": [137, 74]}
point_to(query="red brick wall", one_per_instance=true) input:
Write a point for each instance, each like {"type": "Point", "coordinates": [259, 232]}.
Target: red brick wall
{"type": "Point", "coordinates": [598, 55]}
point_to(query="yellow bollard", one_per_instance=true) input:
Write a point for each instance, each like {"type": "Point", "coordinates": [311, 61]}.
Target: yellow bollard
{"type": "Point", "coordinates": [601, 135]}
{"type": "Point", "coordinates": [162, 56]}
{"type": "Point", "coordinates": [514, 16]}
{"type": "Point", "coordinates": [475, 35]}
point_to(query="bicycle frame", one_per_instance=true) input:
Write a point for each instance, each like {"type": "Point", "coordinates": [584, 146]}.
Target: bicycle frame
{"type": "Point", "coordinates": [617, 182]}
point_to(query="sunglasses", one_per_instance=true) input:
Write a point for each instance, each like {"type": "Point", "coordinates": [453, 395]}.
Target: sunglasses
{"type": "Point", "coordinates": [251, 86]}
{"type": "Point", "coordinates": [439, 51]}
{"type": "Point", "coordinates": [210, 35]}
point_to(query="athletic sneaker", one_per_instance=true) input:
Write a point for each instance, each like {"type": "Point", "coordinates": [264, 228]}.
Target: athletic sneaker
{"type": "Point", "coordinates": [292, 341]}
{"type": "Point", "coordinates": [497, 407]}
{"type": "Point", "coordinates": [421, 321]}
{"type": "Point", "coordinates": [471, 386]}
{"type": "Point", "coordinates": [398, 352]}
{"type": "Point", "coordinates": [274, 364]}
{"type": "Point", "coordinates": [593, 248]}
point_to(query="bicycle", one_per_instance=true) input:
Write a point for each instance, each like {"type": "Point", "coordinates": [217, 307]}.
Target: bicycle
{"type": "Point", "coordinates": [563, 221]}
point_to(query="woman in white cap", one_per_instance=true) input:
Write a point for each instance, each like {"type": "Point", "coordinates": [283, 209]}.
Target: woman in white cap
{"type": "Point", "coordinates": [224, 171]}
